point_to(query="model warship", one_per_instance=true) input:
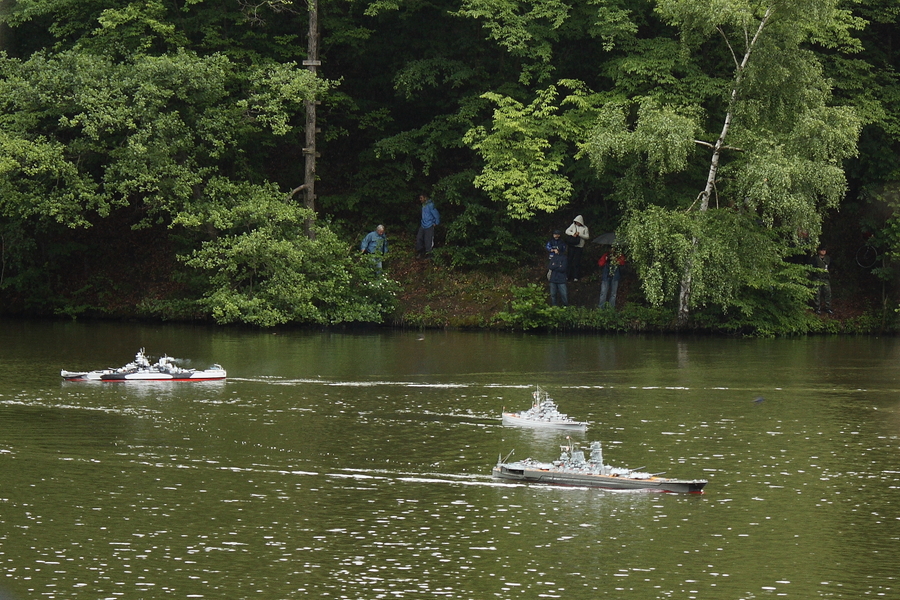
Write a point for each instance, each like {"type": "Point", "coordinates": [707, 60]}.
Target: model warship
{"type": "Point", "coordinates": [573, 469]}
{"type": "Point", "coordinates": [543, 414]}
{"type": "Point", "coordinates": [141, 369]}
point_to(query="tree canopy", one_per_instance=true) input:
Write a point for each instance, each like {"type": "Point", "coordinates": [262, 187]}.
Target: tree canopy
{"type": "Point", "coordinates": [715, 136]}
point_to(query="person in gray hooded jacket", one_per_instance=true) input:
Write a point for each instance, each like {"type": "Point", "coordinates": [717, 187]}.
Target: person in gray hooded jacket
{"type": "Point", "coordinates": [578, 235]}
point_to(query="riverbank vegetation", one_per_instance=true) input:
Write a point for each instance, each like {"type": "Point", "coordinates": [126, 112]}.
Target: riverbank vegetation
{"type": "Point", "coordinates": [150, 156]}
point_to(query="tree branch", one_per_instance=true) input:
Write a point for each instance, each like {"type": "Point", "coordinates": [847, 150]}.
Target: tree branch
{"type": "Point", "coordinates": [730, 49]}
{"type": "Point", "coordinates": [297, 190]}
{"type": "Point", "coordinates": [729, 114]}
{"type": "Point", "coordinates": [723, 146]}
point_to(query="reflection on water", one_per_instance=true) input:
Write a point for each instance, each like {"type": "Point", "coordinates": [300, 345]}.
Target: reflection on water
{"type": "Point", "coordinates": [358, 465]}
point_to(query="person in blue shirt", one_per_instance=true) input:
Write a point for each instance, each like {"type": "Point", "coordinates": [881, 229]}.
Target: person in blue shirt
{"type": "Point", "coordinates": [376, 244]}
{"type": "Point", "coordinates": [425, 235]}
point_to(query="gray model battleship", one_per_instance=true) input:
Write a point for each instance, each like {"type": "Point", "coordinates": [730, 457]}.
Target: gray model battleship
{"type": "Point", "coordinates": [573, 469]}
{"type": "Point", "coordinates": [543, 414]}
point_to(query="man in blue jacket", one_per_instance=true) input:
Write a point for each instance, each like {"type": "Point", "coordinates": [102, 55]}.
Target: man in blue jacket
{"type": "Point", "coordinates": [556, 243]}
{"type": "Point", "coordinates": [425, 235]}
{"type": "Point", "coordinates": [375, 243]}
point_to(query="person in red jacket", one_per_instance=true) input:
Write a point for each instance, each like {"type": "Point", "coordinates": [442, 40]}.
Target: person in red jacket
{"type": "Point", "coordinates": [611, 263]}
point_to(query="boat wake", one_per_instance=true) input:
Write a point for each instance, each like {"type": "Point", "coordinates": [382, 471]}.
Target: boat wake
{"type": "Point", "coordinates": [406, 477]}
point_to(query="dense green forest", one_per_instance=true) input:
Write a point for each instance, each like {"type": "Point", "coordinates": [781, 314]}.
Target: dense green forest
{"type": "Point", "coordinates": [149, 152]}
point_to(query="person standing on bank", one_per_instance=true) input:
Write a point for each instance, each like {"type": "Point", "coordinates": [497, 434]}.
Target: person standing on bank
{"type": "Point", "coordinates": [821, 262]}
{"type": "Point", "coordinates": [578, 234]}
{"type": "Point", "coordinates": [611, 264]}
{"type": "Point", "coordinates": [425, 235]}
{"type": "Point", "coordinates": [556, 242]}
{"type": "Point", "coordinates": [375, 243]}
{"type": "Point", "coordinates": [556, 275]}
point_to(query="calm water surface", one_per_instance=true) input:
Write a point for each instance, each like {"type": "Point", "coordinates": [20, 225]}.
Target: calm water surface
{"type": "Point", "coordinates": [357, 465]}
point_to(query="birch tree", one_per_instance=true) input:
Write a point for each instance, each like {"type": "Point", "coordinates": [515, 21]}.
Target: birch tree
{"type": "Point", "coordinates": [773, 142]}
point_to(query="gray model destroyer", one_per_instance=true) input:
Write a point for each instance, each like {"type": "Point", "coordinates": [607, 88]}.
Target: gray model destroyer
{"type": "Point", "coordinates": [543, 414]}
{"type": "Point", "coordinates": [572, 469]}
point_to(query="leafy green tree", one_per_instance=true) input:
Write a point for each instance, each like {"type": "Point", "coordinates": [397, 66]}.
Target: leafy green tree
{"type": "Point", "coordinates": [265, 271]}
{"type": "Point", "coordinates": [713, 131]}
{"type": "Point", "coordinates": [734, 84]}
{"type": "Point", "coordinates": [83, 134]}
{"type": "Point", "coordinates": [181, 136]}
{"type": "Point", "coordinates": [870, 82]}
{"type": "Point", "coordinates": [783, 143]}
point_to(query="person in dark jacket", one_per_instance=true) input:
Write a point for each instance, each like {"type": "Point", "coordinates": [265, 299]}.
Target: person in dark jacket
{"type": "Point", "coordinates": [556, 274]}
{"type": "Point", "coordinates": [556, 242]}
{"type": "Point", "coordinates": [821, 262]}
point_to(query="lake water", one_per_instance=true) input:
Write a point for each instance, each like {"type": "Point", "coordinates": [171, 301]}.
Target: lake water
{"type": "Point", "coordinates": [357, 465]}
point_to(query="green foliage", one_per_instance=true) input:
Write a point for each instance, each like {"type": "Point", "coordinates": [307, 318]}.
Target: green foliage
{"type": "Point", "coordinates": [662, 135]}
{"type": "Point", "coordinates": [886, 238]}
{"type": "Point", "coordinates": [277, 93]}
{"type": "Point", "coordinates": [177, 118]}
{"type": "Point", "coordinates": [659, 244]}
{"type": "Point", "coordinates": [765, 312]}
{"type": "Point", "coordinates": [154, 129]}
{"type": "Point", "coordinates": [524, 169]}
{"type": "Point", "coordinates": [733, 259]}
{"type": "Point", "coordinates": [787, 190]}
{"type": "Point", "coordinates": [176, 134]}
{"type": "Point", "coordinates": [525, 29]}
{"type": "Point", "coordinates": [529, 309]}
{"type": "Point", "coordinates": [433, 73]}
{"type": "Point", "coordinates": [121, 29]}
{"type": "Point", "coordinates": [530, 29]}
{"type": "Point", "coordinates": [426, 317]}
{"type": "Point", "coordinates": [476, 233]}
{"type": "Point", "coordinates": [271, 273]}
{"type": "Point", "coordinates": [777, 164]}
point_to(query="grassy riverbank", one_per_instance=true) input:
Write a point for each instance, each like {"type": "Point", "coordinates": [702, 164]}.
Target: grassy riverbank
{"type": "Point", "coordinates": [436, 295]}
{"type": "Point", "coordinates": [432, 294]}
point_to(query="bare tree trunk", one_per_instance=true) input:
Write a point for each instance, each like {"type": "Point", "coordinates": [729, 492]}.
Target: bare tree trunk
{"type": "Point", "coordinates": [312, 63]}
{"type": "Point", "coordinates": [684, 296]}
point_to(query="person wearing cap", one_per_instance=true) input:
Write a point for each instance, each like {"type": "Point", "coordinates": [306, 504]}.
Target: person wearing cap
{"type": "Point", "coordinates": [578, 234]}
{"type": "Point", "coordinates": [556, 275]}
{"type": "Point", "coordinates": [556, 242]}
{"type": "Point", "coordinates": [821, 264]}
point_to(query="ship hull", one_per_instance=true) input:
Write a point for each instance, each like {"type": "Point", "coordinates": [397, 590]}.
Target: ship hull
{"type": "Point", "coordinates": [511, 420]}
{"type": "Point", "coordinates": [214, 375]}
{"type": "Point", "coordinates": [555, 476]}
{"type": "Point", "coordinates": [110, 375]}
